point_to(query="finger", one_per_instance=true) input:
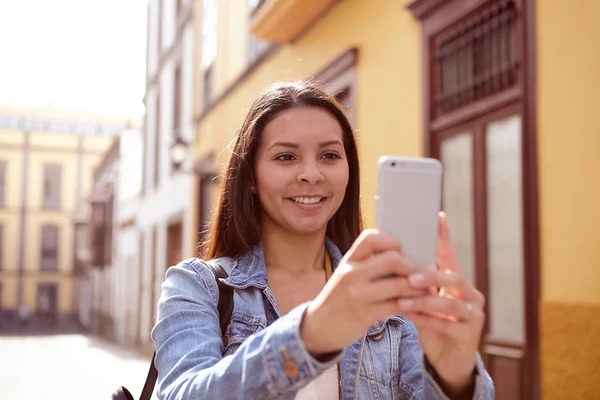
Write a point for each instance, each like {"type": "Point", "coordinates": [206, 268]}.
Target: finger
{"type": "Point", "coordinates": [441, 307]}
{"type": "Point", "coordinates": [384, 309]}
{"type": "Point", "coordinates": [452, 329]}
{"type": "Point", "coordinates": [447, 258]}
{"type": "Point", "coordinates": [371, 242]}
{"type": "Point", "coordinates": [458, 285]}
{"type": "Point", "coordinates": [391, 288]}
{"type": "Point", "coordinates": [382, 265]}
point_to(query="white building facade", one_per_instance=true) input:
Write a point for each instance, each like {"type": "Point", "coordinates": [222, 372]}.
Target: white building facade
{"type": "Point", "coordinates": [163, 214]}
{"type": "Point", "coordinates": [127, 270]}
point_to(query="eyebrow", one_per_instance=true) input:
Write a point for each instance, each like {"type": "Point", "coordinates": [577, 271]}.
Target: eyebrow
{"type": "Point", "coordinates": [293, 145]}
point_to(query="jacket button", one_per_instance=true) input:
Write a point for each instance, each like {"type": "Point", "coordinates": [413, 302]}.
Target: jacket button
{"type": "Point", "coordinates": [378, 336]}
{"type": "Point", "coordinates": [291, 369]}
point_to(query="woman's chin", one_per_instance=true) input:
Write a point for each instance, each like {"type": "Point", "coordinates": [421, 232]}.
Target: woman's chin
{"type": "Point", "coordinates": [307, 228]}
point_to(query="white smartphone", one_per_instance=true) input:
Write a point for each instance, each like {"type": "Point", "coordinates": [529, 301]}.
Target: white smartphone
{"type": "Point", "coordinates": [408, 200]}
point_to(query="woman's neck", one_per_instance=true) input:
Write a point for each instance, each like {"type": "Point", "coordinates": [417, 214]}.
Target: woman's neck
{"type": "Point", "coordinates": [295, 253]}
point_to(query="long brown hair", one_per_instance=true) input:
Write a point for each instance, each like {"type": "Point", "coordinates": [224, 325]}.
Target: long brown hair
{"type": "Point", "coordinates": [235, 228]}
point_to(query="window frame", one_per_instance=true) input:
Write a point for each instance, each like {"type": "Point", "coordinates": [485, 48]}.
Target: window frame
{"type": "Point", "coordinates": [49, 243]}
{"type": "Point", "coordinates": [52, 186]}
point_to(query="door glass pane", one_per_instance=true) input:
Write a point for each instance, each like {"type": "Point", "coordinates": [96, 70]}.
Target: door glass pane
{"type": "Point", "coordinates": [504, 224]}
{"type": "Point", "coordinates": [456, 154]}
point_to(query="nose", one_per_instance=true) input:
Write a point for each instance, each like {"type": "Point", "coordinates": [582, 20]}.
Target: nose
{"type": "Point", "coordinates": [310, 173]}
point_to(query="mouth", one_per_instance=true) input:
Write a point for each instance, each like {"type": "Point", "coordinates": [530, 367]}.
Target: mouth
{"type": "Point", "coordinates": [308, 199]}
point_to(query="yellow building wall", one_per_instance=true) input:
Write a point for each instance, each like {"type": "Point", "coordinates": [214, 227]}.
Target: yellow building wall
{"type": "Point", "coordinates": [10, 242]}
{"type": "Point", "coordinates": [11, 137]}
{"type": "Point", "coordinates": [388, 83]}
{"type": "Point", "coordinates": [9, 291]}
{"type": "Point", "coordinates": [53, 140]}
{"type": "Point", "coordinates": [232, 40]}
{"type": "Point", "coordinates": [568, 59]}
{"type": "Point", "coordinates": [98, 144]}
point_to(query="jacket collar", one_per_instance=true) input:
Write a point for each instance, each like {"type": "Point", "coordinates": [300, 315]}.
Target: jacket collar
{"type": "Point", "coordinates": [250, 270]}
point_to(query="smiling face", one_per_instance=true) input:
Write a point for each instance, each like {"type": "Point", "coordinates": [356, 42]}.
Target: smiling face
{"type": "Point", "coordinates": [301, 170]}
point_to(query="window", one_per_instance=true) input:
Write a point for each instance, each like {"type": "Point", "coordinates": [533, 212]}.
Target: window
{"type": "Point", "coordinates": [339, 78]}
{"type": "Point", "coordinates": [209, 33]}
{"type": "Point", "coordinates": [108, 229]}
{"type": "Point", "coordinates": [47, 299]}
{"type": "Point", "coordinates": [36, 125]}
{"type": "Point", "coordinates": [177, 102]}
{"type": "Point", "coordinates": [209, 48]}
{"type": "Point", "coordinates": [476, 58]}
{"type": "Point", "coordinates": [13, 123]}
{"type": "Point", "coordinates": [256, 48]}
{"type": "Point", "coordinates": [2, 183]}
{"type": "Point", "coordinates": [144, 152]}
{"type": "Point", "coordinates": [153, 264]}
{"type": "Point", "coordinates": [207, 89]}
{"type": "Point", "coordinates": [52, 186]}
{"type": "Point", "coordinates": [98, 234]}
{"type": "Point", "coordinates": [49, 253]}
{"type": "Point", "coordinates": [47, 126]}
{"type": "Point", "coordinates": [160, 22]}
{"type": "Point", "coordinates": [157, 143]}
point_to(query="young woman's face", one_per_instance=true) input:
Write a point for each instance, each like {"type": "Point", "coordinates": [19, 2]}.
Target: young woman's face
{"type": "Point", "coordinates": [301, 170]}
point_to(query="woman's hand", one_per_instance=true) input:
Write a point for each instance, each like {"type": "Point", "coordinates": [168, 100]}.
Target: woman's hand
{"type": "Point", "coordinates": [355, 296]}
{"type": "Point", "coordinates": [450, 322]}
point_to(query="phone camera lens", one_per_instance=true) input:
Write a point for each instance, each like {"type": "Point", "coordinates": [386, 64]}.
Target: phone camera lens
{"type": "Point", "coordinates": [393, 163]}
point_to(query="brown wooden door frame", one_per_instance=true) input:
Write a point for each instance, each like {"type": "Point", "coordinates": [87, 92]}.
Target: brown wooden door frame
{"type": "Point", "coordinates": [175, 231]}
{"type": "Point", "coordinates": [476, 127]}
{"type": "Point", "coordinates": [434, 16]}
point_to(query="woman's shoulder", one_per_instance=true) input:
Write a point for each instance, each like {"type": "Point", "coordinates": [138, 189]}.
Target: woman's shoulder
{"type": "Point", "coordinates": [193, 278]}
{"type": "Point", "coordinates": [203, 269]}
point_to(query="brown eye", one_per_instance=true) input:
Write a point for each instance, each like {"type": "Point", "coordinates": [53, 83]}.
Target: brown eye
{"type": "Point", "coordinates": [285, 157]}
{"type": "Point", "coordinates": [331, 156]}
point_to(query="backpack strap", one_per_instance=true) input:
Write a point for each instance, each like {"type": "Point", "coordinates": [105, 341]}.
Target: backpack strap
{"type": "Point", "coordinates": [225, 309]}
{"type": "Point", "coordinates": [225, 305]}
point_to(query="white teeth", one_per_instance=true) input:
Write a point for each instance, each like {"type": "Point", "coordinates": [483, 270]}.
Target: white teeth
{"type": "Point", "coordinates": [307, 200]}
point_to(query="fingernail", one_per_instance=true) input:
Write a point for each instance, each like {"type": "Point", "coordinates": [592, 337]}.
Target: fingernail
{"type": "Point", "coordinates": [416, 279]}
{"type": "Point", "coordinates": [406, 304]}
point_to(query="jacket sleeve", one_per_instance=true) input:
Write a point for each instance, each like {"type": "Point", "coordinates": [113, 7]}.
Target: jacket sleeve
{"type": "Point", "coordinates": [418, 376]}
{"type": "Point", "coordinates": [189, 346]}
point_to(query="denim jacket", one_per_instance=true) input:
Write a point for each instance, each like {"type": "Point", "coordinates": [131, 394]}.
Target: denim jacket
{"type": "Point", "coordinates": [263, 356]}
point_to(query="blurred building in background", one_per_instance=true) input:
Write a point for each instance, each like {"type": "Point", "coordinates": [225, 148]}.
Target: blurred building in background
{"type": "Point", "coordinates": [47, 161]}
{"type": "Point", "coordinates": [108, 243]}
{"type": "Point", "coordinates": [163, 213]}
{"type": "Point", "coordinates": [502, 91]}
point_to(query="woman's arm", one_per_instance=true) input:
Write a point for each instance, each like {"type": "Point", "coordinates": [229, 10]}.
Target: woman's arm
{"type": "Point", "coordinates": [189, 346]}
{"type": "Point", "coordinates": [418, 376]}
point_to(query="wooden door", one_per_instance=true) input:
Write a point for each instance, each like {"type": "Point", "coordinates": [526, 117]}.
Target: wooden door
{"type": "Point", "coordinates": [483, 197]}
{"type": "Point", "coordinates": [174, 243]}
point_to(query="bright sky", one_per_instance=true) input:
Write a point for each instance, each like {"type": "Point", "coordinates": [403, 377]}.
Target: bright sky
{"type": "Point", "coordinates": [79, 54]}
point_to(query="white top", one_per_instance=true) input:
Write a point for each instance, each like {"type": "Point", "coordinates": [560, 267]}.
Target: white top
{"type": "Point", "coordinates": [324, 387]}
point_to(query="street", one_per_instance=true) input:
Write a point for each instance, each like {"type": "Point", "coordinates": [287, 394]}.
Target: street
{"type": "Point", "coordinates": [67, 367]}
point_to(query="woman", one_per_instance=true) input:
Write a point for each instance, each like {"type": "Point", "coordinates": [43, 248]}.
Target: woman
{"type": "Point", "coordinates": [288, 214]}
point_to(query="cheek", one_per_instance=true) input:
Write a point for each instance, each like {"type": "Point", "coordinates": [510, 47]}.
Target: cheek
{"type": "Point", "coordinates": [339, 178]}
{"type": "Point", "coordinates": [271, 181]}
